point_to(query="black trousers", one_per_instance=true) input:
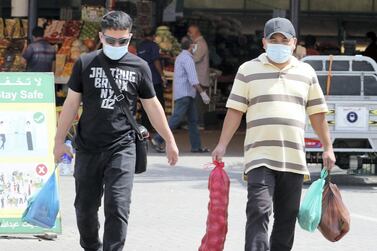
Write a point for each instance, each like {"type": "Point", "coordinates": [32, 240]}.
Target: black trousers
{"type": "Point", "coordinates": [272, 190]}
{"type": "Point", "coordinates": [109, 173]}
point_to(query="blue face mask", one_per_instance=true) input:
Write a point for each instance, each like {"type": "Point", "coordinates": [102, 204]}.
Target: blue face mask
{"type": "Point", "coordinates": [279, 53]}
{"type": "Point", "coordinates": [115, 52]}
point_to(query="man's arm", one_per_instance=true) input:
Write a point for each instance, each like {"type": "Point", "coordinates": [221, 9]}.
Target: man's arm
{"type": "Point", "coordinates": [200, 52]}
{"type": "Point", "coordinates": [69, 112]}
{"type": "Point", "coordinates": [157, 117]}
{"type": "Point", "coordinates": [231, 123]}
{"type": "Point", "coordinates": [190, 69]}
{"type": "Point", "coordinates": [319, 124]}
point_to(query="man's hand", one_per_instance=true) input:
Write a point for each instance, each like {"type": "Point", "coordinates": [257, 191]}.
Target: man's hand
{"type": "Point", "coordinates": [205, 98]}
{"type": "Point", "coordinates": [157, 117]}
{"type": "Point", "coordinates": [172, 153]}
{"type": "Point", "coordinates": [218, 153]}
{"type": "Point", "coordinates": [328, 158]}
{"type": "Point", "coordinates": [59, 150]}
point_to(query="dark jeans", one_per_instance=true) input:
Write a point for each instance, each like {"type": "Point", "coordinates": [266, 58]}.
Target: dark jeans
{"type": "Point", "coordinates": [185, 107]}
{"type": "Point", "coordinates": [109, 173]}
{"type": "Point", "coordinates": [267, 190]}
{"type": "Point", "coordinates": [159, 89]}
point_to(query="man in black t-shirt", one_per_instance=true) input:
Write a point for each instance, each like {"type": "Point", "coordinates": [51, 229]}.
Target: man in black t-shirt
{"type": "Point", "coordinates": [105, 141]}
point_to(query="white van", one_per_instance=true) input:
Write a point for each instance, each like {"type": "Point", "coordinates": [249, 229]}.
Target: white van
{"type": "Point", "coordinates": [350, 87]}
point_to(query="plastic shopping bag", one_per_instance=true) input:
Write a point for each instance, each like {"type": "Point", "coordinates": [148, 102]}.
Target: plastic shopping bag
{"type": "Point", "coordinates": [44, 206]}
{"type": "Point", "coordinates": [335, 221]}
{"type": "Point", "coordinates": [310, 211]}
{"type": "Point", "coordinates": [217, 221]}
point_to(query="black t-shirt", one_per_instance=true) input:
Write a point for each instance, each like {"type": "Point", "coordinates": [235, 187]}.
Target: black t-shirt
{"type": "Point", "coordinates": [103, 125]}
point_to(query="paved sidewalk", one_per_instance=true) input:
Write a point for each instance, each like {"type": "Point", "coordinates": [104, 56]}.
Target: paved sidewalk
{"type": "Point", "coordinates": [169, 209]}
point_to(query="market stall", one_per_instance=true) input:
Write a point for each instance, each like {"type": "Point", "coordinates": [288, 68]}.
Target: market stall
{"type": "Point", "coordinates": [13, 33]}
{"type": "Point", "coordinates": [73, 38]}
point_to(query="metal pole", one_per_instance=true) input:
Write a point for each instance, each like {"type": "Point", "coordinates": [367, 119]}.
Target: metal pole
{"type": "Point", "coordinates": [294, 15]}
{"type": "Point", "coordinates": [33, 6]}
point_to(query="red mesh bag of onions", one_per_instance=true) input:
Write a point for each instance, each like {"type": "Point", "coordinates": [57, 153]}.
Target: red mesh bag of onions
{"type": "Point", "coordinates": [217, 220]}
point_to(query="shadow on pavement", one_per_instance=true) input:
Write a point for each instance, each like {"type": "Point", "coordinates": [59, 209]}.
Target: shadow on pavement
{"type": "Point", "coordinates": [161, 173]}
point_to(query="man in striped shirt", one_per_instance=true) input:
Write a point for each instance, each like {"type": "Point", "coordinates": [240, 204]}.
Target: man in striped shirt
{"type": "Point", "coordinates": [40, 55]}
{"type": "Point", "coordinates": [276, 91]}
{"type": "Point", "coordinates": [185, 86]}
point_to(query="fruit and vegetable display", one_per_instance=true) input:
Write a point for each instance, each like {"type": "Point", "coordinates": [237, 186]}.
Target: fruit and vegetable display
{"type": "Point", "coordinates": [14, 28]}
{"type": "Point", "coordinates": [72, 38]}
{"type": "Point", "coordinates": [10, 55]}
{"type": "Point", "coordinates": [1, 28]}
{"type": "Point", "coordinates": [90, 30]}
{"type": "Point", "coordinates": [79, 37]}
{"type": "Point", "coordinates": [68, 54]}
{"type": "Point", "coordinates": [25, 27]}
{"type": "Point", "coordinates": [67, 70]}
{"type": "Point", "coordinates": [167, 42]}
{"type": "Point", "coordinates": [54, 31]}
{"type": "Point", "coordinates": [72, 28]}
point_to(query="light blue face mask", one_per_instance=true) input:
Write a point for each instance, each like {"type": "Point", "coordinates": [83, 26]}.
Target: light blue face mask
{"type": "Point", "coordinates": [115, 52]}
{"type": "Point", "coordinates": [279, 53]}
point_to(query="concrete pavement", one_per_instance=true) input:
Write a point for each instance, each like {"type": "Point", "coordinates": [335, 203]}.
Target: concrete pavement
{"type": "Point", "coordinates": [169, 209]}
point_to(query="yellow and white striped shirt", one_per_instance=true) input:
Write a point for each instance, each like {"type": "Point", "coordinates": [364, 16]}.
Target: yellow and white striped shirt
{"type": "Point", "coordinates": [276, 103]}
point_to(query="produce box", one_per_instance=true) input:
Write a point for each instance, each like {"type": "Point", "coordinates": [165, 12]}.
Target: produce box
{"type": "Point", "coordinates": [54, 31]}
{"type": "Point", "coordinates": [25, 27]}
{"type": "Point", "coordinates": [59, 64]}
{"type": "Point", "coordinates": [13, 28]}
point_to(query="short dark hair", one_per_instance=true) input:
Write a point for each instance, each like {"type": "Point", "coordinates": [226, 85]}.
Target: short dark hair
{"type": "Point", "coordinates": [185, 43]}
{"type": "Point", "coordinates": [194, 25]}
{"type": "Point", "coordinates": [38, 32]}
{"type": "Point", "coordinates": [116, 20]}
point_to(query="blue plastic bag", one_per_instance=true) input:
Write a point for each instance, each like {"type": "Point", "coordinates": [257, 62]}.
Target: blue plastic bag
{"type": "Point", "coordinates": [310, 211]}
{"type": "Point", "coordinates": [44, 206]}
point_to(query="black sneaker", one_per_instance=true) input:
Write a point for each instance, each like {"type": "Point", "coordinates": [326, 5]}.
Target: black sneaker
{"type": "Point", "coordinates": [200, 150]}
